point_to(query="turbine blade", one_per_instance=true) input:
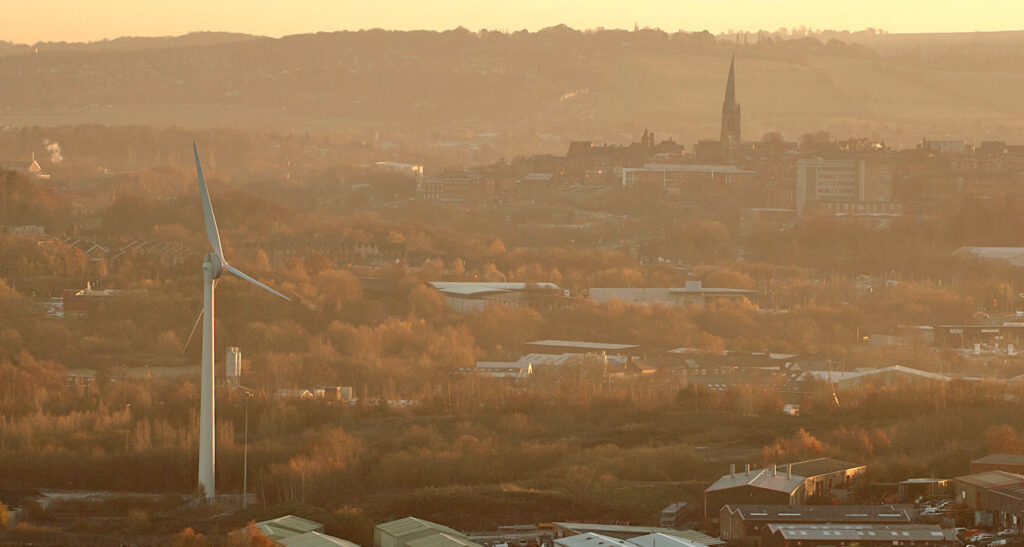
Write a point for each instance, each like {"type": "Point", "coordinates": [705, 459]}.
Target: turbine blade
{"type": "Point", "coordinates": [239, 273]}
{"type": "Point", "coordinates": [211, 222]}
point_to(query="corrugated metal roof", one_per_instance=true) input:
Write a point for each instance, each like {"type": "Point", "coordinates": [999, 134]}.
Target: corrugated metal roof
{"type": "Point", "coordinates": [992, 479]}
{"type": "Point", "coordinates": [474, 287]}
{"type": "Point", "coordinates": [315, 539]}
{"type": "Point", "coordinates": [666, 537]}
{"type": "Point", "coordinates": [863, 532]}
{"type": "Point", "coordinates": [664, 540]}
{"type": "Point", "coordinates": [837, 376]}
{"type": "Point", "coordinates": [591, 539]}
{"type": "Point", "coordinates": [822, 466]}
{"type": "Point", "coordinates": [822, 513]}
{"type": "Point", "coordinates": [287, 526]}
{"type": "Point", "coordinates": [695, 536]}
{"type": "Point", "coordinates": [759, 478]}
{"type": "Point", "coordinates": [442, 540]}
{"type": "Point", "coordinates": [1002, 459]}
{"type": "Point", "coordinates": [408, 525]}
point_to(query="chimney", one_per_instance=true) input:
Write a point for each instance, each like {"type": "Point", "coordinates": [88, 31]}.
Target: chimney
{"type": "Point", "coordinates": [732, 470]}
{"type": "Point", "coordinates": [748, 469]}
{"type": "Point", "coordinates": [789, 471]}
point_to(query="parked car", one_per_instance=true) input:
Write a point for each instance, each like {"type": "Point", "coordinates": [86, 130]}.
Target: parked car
{"type": "Point", "coordinates": [1008, 532]}
{"type": "Point", "coordinates": [983, 538]}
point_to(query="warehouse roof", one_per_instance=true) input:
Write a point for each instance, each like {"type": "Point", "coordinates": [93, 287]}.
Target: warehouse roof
{"type": "Point", "coordinates": [287, 526]}
{"type": "Point", "coordinates": [442, 540]}
{"type": "Point", "coordinates": [664, 540]}
{"type": "Point", "coordinates": [591, 539]}
{"type": "Point", "coordinates": [821, 513]}
{"type": "Point", "coordinates": [1002, 459]}
{"type": "Point", "coordinates": [469, 288]}
{"type": "Point", "coordinates": [759, 478]}
{"type": "Point", "coordinates": [822, 466]}
{"type": "Point", "coordinates": [695, 536]}
{"type": "Point", "coordinates": [633, 536]}
{"type": "Point", "coordinates": [409, 525]}
{"type": "Point", "coordinates": [837, 376]}
{"type": "Point", "coordinates": [863, 532]}
{"type": "Point", "coordinates": [315, 539]}
{"type": "Point", "coordinates": [992, 479]}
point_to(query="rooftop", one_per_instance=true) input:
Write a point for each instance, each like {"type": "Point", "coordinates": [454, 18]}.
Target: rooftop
{"type": "Point", "coordinates": [408, 525]}
{"type": "Point", "coordinates": [837, 376]}
{"type": "Point", "coordinates": [1001, 459]}
{"type": "Point", "coordinates": [612, 535]}
{"type": "Point", "coordinates": [315, 539]}
{"type": "Point", "coordinates": [822, 466]}
{"type": "Point", "coordinates": [587, 345]}
{"type": "Point", "coordinates": [442, 540]}
{"type": "Point", "coordinates": [863, 532]}
{"type": "Point", "coordinates": [287, 526]}
{"type": "Point", "coordinates": [992, 479]}
{"type": "Point", "coordinates": [470, 287]}
{"type": "Point", "coordinates": [821, 513]}
{"type": "Point", "coordinates": [592, 540]}
{"type": "Point", "coordinates": [664, 540]}
{"type": "Point", "coordinates": [759, 478]}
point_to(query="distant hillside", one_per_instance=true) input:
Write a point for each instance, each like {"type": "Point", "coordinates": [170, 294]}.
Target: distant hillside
{"type": "Point", "coordinates": [607, 84]}
{"type": "Point", "coordinates": [131, 43]}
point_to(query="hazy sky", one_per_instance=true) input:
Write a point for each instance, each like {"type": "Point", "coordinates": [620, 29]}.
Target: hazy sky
{"type": "Point", "coordinates": [86, 20]}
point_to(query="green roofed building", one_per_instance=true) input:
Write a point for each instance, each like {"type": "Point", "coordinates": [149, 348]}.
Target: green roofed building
{"type": "Point", "coordinates": [399, 533]}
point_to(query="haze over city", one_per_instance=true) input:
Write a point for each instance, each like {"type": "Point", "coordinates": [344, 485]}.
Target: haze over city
{"type": "Point", "coordinates": [72, 21]}
{"type": "Point", "coordinates": [491, 274]}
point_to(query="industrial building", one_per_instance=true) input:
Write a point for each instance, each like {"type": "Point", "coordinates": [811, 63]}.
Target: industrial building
{"type": "Point", "coordinates": [759, 486]}
{"type": "Point", "coordinates": [884, 376]}
{"type": "Point", "coordinates": [631, 533]}
{"type": "Point", "coordinates": [591, 539]}
{"type": "Point", "coordinates": [996, 497]}
{"type": "Point", "coordinates": [790, 484]}
{"type": "Point", "coordinates": [401, 532]}
{"type": "Point", "coordinates": [744, 523]}
{"type": "Point", "coordinates": [292, 531]}
{"type": "Point", "coordinates": [476, 296]}
{"type": "Point", "coordinates": [813, 535]}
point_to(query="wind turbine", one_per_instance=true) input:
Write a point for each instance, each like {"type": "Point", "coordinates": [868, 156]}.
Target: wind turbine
{"type": "Point", "coordinates": [214, 266]}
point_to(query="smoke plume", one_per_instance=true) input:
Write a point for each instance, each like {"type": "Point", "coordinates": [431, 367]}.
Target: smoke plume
{"type": "Point", "coordinates": [53, 147]}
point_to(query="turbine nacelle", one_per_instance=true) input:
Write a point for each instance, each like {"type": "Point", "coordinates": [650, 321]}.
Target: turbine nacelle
{"type": "Point", "coordinates": [214, 264]}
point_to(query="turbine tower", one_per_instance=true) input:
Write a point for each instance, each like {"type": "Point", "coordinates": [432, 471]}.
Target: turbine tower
{"type": "Point", "coordinates": [213, 266]}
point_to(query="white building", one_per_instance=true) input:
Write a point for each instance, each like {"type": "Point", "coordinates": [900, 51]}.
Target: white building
{"type": "Point", "coordinates": [469, 296]}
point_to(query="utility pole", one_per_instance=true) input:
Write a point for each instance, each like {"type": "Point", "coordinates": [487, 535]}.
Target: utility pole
{"type": "Point", "coordinates": [245, 455]}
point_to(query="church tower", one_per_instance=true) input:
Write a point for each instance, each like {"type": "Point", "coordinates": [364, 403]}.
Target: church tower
{"type": "Point", "coordinates": [731, 112]}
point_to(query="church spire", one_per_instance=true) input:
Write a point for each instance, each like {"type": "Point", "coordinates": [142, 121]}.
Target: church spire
{"type": "Point", "coordinates": [731, 111]}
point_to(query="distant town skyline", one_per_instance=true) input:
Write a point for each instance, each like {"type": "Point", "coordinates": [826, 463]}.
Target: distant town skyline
{"type": "Point", "coordinates": [75, 21]}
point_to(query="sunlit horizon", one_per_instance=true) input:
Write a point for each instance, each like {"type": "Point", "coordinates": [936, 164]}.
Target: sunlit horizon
{"type": "Point", "coordinates": [65, 20]}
